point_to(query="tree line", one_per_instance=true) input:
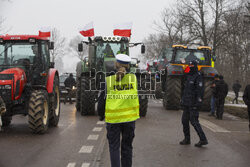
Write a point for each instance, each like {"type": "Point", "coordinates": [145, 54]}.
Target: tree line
{"type": "Point", "coordinates": [221, 24]}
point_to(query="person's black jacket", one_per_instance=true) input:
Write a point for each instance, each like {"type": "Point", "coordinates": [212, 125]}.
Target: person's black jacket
{"type": "Point", "coordinates": [70, 82]}
{"type": "Point", "coordinates": [193, 90]}
{"type": "Point", "coordinates": [221, 89]}
{"type": "Point", "coordinates": [246, 95]}
{"type": "Point", "coordinates": [236, 87]}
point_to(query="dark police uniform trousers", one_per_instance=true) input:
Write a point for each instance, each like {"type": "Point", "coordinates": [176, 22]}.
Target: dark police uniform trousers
{"type": "Point", "coordinates": [190, 100]}
{"type": "Point", "coordinates": [114, 131]}
{"type": "Point", "coordinates": [192, 115]}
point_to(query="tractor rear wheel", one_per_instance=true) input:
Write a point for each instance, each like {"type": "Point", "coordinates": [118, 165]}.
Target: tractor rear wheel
{"type": "Point", "coordinates": [78, 94]}
{"type": "Point", "coordinates": [6, 120]}
{"type": "Point", "coordinates": [55, 105]}
{"type": "Point", "coordinates": [38, 112]}
{"type": "Point", "coordinates": [172, 96]}
{"type": "Point", "coordinates": [87, 96]}
{"type": "Point", "coordinates": [143, 101]}
{"type": "Point", "coordinates": [158, 91]}
{"type": "Point", "coordinates": [206, 104]}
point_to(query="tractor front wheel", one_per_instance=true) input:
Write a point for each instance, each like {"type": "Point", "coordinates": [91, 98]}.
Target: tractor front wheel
{"type": "Point", "coordinates": [55, 104]}
{"type": "Point", "coordinates": [38, 112]}
{"type": "Point", "coordinates": [87, 96]}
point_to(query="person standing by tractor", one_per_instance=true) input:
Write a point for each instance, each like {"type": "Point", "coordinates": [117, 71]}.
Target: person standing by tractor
{"type": "Point", "coordinates": [69, 83]}
{"type": "Point", "coordinates": [213, 84]}
{"type": "Point", "coordinates": [221, 90]}
{"type": "Point", "coordinates": [191, 101]}
{"type": "Point", "coordinates": [246, 99]}
{"type": "Point", "coordinates": [121, 109]}
{"type": "Point", "coordinates": [236, 89]}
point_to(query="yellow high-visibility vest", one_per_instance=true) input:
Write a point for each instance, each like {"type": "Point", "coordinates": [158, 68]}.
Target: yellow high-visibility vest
{"type": "Point", "coordinates": [122, 102]}
{"type": "Point", "coordinates": [212, 62]}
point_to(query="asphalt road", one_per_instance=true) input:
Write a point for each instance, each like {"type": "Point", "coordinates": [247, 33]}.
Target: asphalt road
{"type": "Point", "coordinates": [81, 142]}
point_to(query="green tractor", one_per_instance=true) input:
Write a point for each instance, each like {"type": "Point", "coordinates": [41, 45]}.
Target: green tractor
{"type": "Point", "coordinates": [91, 72]}
{"type": "Point", "coordinates": [173, 77]}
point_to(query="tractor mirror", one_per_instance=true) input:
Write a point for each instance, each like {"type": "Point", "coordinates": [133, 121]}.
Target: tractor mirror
{"type": "Point", "coordinates": [138, 61]}
{"type": "Point", "coordinates": [52, 65]}
{"type": "Point", "coordinates": [51, 45]}
{"type": "Point", "coordinates": [80, 47]}
{"type": "Point", "coordinates": [143, 48]}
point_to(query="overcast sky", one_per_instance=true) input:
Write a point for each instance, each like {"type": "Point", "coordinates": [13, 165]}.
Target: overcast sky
{"type": "Point", "coordinates": [27, 16]}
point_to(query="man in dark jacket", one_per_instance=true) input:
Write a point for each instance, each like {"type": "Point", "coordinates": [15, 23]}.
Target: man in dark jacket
{"type": "Point", "coordinates": [212, 104]}
{"type": "Point", "coordinates": [191, 101]}
{"type": "Point", "coordinates": [246, 98]}
{"type": "Point", "coordinates": [69, 83]}
{"type": "Point", "coordinates": [236, 89]}
{"type": "Point", "coordinates": [221, 90]}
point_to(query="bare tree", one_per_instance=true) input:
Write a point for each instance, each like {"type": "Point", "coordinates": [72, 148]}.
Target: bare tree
{"type": "Point", "coordinates": [73, 47]}
{"type": "Point", "coordinates": [59, 48]}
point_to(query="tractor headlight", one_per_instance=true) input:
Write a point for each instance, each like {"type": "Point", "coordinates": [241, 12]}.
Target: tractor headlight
{"type": "Point", "coordinates": [1, 40]}
{"type": "Point", "coordinates": [87, 63]}
{"type": "Point", "coordinates": [136, 65]}
{"type": "Point", "coordinates": [7, 87]}
{"type": "Point", "coordinates": [74, 88]}
{"type": "Point", "coordinates": [105, 38]}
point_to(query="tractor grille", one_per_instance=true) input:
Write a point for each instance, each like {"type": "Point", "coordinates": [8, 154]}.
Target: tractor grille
{"type": "Point", "coordinates": [6, 76]}
{"type": "Point", "coordinates": [5, 93]}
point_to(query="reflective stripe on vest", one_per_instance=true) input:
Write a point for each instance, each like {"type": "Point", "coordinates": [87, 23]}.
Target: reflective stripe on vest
{"type": "Point", "coordinates": [122, 103]}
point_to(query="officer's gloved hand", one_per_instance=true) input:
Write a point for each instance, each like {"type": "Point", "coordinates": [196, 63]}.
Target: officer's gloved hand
{"type": "Point", "coordinates": [198, 104]}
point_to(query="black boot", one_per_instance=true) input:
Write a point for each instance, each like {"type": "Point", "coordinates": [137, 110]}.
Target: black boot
{"type": "Point", "coordinates": [201, 143]}
{"type": "Point", "coordinates": [185, 142]}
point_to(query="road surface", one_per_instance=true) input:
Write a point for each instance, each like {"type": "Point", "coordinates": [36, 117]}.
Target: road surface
{"type": "Point", "coordinates": [81, 142]}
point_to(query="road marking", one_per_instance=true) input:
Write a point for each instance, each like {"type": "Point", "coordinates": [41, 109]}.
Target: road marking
{"type": "Point", "coordinates": [67, 128]}
{"type": "Point", "coordinates": [86, 149]}
{"type": "Point", "coordinates": [97, 129]}
{"type": "Point", "coordinates": [72, 164]}
{"type": "Point", "coordinates": [231, 117]}
{"type": "Point", "coordinates": [93, 137]}
{"type": "Point", "coordinates": [212, 126]}
{"type": "Point", "coordinates": [85, 164]}
{"type": "Point", "coordinates": [100, 123]}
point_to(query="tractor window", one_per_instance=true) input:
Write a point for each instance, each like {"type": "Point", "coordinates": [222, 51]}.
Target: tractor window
{"type": "Point", "coordinates": [45, 53]}
{"type": "Point", "coordinates": [18, 53]}
{"type": "Point", "coordinates": [185, 56]}
{"type": "Point", "coordinates": [105, 49]}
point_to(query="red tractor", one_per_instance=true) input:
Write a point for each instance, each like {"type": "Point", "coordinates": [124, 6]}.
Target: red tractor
{"type": "Point", "coordinates": [29, 84]}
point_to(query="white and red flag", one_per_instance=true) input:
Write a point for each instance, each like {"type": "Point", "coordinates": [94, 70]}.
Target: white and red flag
{"type": "Point", "coordinates": [45, 32]}
{"type": "Point", "coordinates": [88, 30]}
{"type": "Point", "coordinates": [123, 29]}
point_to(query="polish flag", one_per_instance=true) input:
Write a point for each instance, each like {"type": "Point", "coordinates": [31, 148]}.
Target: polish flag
{"type": "Point", "coordinates": [123, 29]}
{"type": "Point", "coordinates": [45, 32]}
{"type": "Point", "coordinates": [88, 30]}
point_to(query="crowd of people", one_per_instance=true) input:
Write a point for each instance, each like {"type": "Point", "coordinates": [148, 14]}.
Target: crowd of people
{"type": "Point", "coordinates": [219, 93]}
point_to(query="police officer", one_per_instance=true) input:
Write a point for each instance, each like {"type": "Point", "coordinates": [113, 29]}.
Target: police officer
{"type": "Point", "coordinates": [121, 111]}
{"type": "Point", "coordinates": [69, 83]}
{"type": "Point", "coordinates": [246, 98]}
{"type": "Point", "coordinates": [191, 101]}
